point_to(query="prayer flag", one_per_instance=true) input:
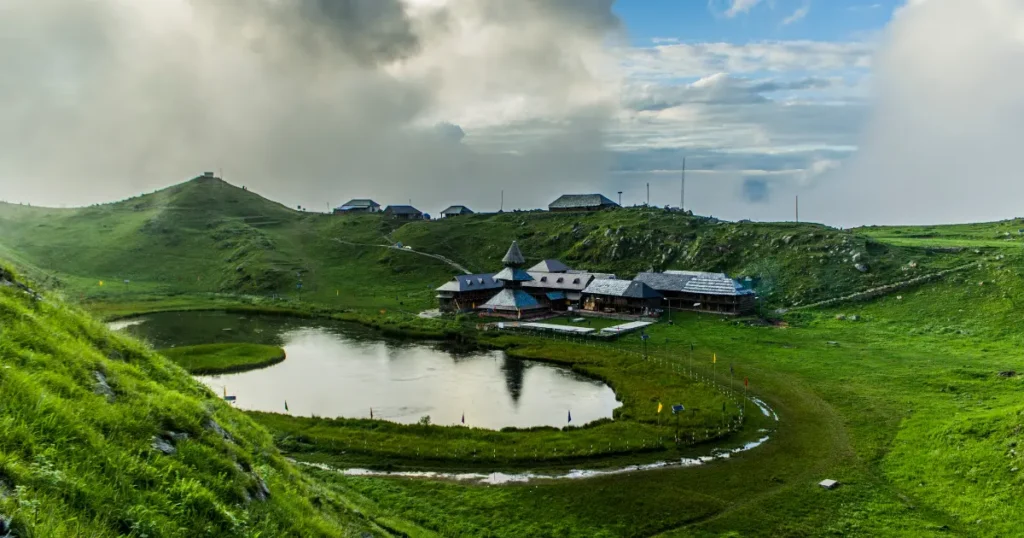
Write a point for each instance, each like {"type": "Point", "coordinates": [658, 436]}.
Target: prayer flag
{"type": "Point", "coordinates": [570, 416]}
{"type": "Point", "coordinates": [746, 381]}
{"type": "Point", "coordinates": [371, 413]}
{"type": "Point", "coordinates": [659, 407]}
{"type": "Point", "coordinates": [714, 358]}
{"type": "Point", "coordinates": [286, 405]}
{"type": "Point", "coordinates": [463, 417]}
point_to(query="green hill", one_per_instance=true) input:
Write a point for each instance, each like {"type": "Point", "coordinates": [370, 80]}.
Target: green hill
{"type": "Point", "coordinates": [207, 237]}
{"type": "Point", "coordinates": [99, 436]}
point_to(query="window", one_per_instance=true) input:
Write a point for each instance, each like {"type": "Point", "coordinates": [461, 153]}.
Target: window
{"type": "Point", "coordinates": [543, 279]}
{"type": "Point", "coordinates": [560, 280]}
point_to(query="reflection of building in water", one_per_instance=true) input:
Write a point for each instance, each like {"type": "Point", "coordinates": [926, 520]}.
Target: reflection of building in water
{"type": "Point", "coordinates": [514, 370]}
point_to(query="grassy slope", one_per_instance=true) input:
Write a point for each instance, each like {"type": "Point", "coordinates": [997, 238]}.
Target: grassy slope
{"type": "Point", "coordinates": [77, 463]}
{"type": "Point", "coordinates": [206, 237]}
{"type": "Point", "coordinates": [210, 359]}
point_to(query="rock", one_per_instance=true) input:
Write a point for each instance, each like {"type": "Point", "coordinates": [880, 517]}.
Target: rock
{"type": "Point", "coordinates": [215, 428]}
{"type": "Point", "coordinates": [788, 239]}
{"type": "Point", "coordinates": [5, 527]}
{"type": "Point", "coordinates": [1008, 373]}
{"type": "Point", "coordinates": [912, 265]}
{"type": "Point", "coordinates": [841, 317]}
{"type": "Point", "coordinates": [855, 317]}
{"type": "Point", "coordinates": [862, 267]}
{"type": "Point", "coordinates": [102, 387]}
{"type": "Point", "coordinates": [260, 491]}
{"type": "Point", "coordinates": [832, 343]}
{"type": "Point", "coordinates": [856, 257]}
{"type": "Point", "coordinates": [607, 232]}
{"type": "Point", "coordinates": [163, 445]}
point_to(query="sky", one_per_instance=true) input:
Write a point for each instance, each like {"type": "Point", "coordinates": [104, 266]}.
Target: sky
{"type": "Point", "coordinates": [871, 112]}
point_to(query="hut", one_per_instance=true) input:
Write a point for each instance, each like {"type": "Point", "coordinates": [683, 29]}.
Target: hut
{"type": "Point", "coordinates": [581, 202]}
{"type": "Point", "coordinates": [620, 296]}
{"type": "Point", "coordinates": [358, 205]}
{"type": "Point", "coordinates": [455, 211]}
{"type": "Point", "coordinates": [403, 212]}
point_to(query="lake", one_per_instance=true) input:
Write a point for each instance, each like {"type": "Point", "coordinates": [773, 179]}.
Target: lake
{"type": "Point", "coordinates": [336, 369]}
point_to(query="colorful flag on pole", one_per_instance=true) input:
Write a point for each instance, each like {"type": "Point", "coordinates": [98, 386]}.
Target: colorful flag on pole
{"type": "Point", "coordinates": [731, 371]}
{"type": "Point", "coordinates": [746, 381]}
{"type": "Point", "coordinates": [714, 358]}
{"type": "Point", "coordinates": [463, 417]}
{"type": "Point", "coordinates": [286, 405]}
{"type": "Point", "coordinates": [570, 416]}
{"type": "Point", "coordinates": [659, 407]}
{"type": "Point", "coordinates": [371, 413]}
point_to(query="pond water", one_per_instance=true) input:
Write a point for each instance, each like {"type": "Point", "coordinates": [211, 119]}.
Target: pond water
{"type": "Point", "coordinates": [342, 370]}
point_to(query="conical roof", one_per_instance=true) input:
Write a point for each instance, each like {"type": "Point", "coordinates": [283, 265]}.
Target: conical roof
{"type": "Point", "coordinates": [513, 258]}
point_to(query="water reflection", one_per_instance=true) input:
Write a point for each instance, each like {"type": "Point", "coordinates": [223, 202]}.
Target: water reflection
{"type": "Point", "coordinates": [341, 370]}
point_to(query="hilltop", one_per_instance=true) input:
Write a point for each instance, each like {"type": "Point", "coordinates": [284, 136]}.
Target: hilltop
{"type": "Point", "coordinates": [206, 236]}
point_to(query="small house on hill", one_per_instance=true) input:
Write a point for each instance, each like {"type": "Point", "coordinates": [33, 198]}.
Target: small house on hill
{"type": "Point", "coordinates": [581, 202]}
{"type": "Point", "coordinates": [625, 296]}
{"type": "Point", "coordinates": [456, 210]}
{"type": "Point", "coordinates": [403, 212]}
{"type": "Point", "coordinates": [358, 205]}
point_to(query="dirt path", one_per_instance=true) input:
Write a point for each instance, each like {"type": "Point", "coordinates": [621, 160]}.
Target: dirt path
{"type": "Point", "coordinates": [411, 251]}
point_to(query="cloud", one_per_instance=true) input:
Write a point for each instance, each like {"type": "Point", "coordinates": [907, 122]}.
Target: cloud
{"type": "Point", "coordinates": [303, 100]}
{"type": "Point", "coordinates": [798, 15]}
{"type": "Point", "coordinates": [942, 142]}
{"type": "Point", "coordinates": [717, 89]}
{"type": "Point", "coordinates": [740, 6]}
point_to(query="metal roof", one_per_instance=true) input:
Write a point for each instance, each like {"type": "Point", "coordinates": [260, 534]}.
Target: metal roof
{"type": "Point", "coordinates": [457, 210]}
{"type": "Point", "coordinates": [471, 283]}
{"type": "Point", "coordinates": [513, 258]}
{"type": "Point", "coordinates": [716, 284]}
{"type": "Point", "coordinates": [603, 276]}
{"type": "Point", "coordinates": [550, 266]}
{"type": "Point", "coordinates": [511, 300]}
{"type": "Point", "coordinates": [559, 281]}
{"type": "Point", "coordinates": [555, 295]}
{"type": "Point", "coordinates": [664, 281]}
{"type": "Point", "coordinates": [513, 274]}
{"type": "Point", "coordinates": [568, 201]}
{"type": "Point", "coordinates": [402, 210]}
{"type": "Point", "coordinates": [621, 288]}
{"type": "Point", "coordinates": [691, 273]}
{"type": "Point", "coordinates": [360, 202]}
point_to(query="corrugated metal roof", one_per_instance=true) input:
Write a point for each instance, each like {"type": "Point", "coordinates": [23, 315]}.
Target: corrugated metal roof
{"type": "Point", "coordinates": [402, 210]}
{"type": "Point", "coordinates": [603, 276]}
{"type": "Point", "coordinates": [511, 300]}
{"type": "Point", "coordinates": [664, 281]}
{"type": "Point", "coordinates": [357, 203]}
{"type": "Point", "coordinates": [550, 266]}
{"type": "Point", "coordinates": [457, 210]}
{"type": "Point", "coordinates": [692, 273]}
{"type": "Point", "coordinates": [513, 274]}
{"type": "Point", "coordinates": [513, 258]}
{"type": "Point", "coordinates": [621, 288]}
{"type": "Point", "coordinates": [716, 284]}
{"type": "Point", "coordinates": [471, 283]}
{"type": "Point", "coordinates": [559, 281]}
{"type": "Point", "coordinates": [569, 201]}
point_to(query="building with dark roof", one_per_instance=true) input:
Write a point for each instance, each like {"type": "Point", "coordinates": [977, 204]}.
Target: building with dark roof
{"type": "Point", "coordinates": [464, 293]}
{"type": "Point", "coordinates": [403, 212]}
{"type": "Point", "coordinates": [581, 202]}
{"type": "Point", "coordinates": [358, 205]}
{"type": "Point", "coordinates": [622, 296]}
{"type": "Point", "coordinates": [558, 290]}
{"type": "Point", "coordinates": [700, 291]}
{"type": "Point", "coordinates": [512, 301]}
{"type": "Point", "coordinates": [456, 210]}
{"type": "Point", "coordinates": [550, 266]}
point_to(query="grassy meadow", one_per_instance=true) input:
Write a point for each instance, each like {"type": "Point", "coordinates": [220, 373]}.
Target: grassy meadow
{"type": "Point", "coordinates": [911, 400]}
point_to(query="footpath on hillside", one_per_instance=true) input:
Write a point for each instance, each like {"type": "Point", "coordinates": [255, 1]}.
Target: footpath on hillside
{"type": "Point", "coordinates": [411, 251]}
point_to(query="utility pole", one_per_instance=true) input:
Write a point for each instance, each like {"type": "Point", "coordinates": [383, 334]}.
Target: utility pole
{"type": "Point", "coordinates": [798, 208]}
{"type": "Point", "coordinates": [648, 194]}
{"type": "Point", "coordinates": [682, 188]}
{"type": "Point", "coordinates": [501, 208]}
{"type": "Point", "coordinates": [620, 198]}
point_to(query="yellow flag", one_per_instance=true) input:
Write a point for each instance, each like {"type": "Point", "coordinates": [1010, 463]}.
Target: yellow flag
{"type": "Point", "coordinates": [714, 358]}
{"type": "Point", "coordinates": [659, 407]}
{"type": "Point", "coordinates": [101, 282]}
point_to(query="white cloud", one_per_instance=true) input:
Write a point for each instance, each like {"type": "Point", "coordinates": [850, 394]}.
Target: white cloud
{"type": "Point", "coordinates": [740, 6]}
{"type": "Point", "coordinates": [798, 15]}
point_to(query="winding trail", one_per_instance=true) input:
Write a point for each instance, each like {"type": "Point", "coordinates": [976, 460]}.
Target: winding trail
{"type": "Point", "coordinates": [495, 478]}
{"type": "Point", "coordinates": [411, 251]}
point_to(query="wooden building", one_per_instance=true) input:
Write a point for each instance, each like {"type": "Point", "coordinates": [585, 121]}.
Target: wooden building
{"type": "Point", "coordinates": [464, 293]}
{"type": "Point", "coordinates": [581, 202]}
{"type": "Point", "coordinates": [455, 211]}
{"type": "Point", "coordinates": [358, 205]}
{"type": "Point", "coordinates": [621, 296]}
{"type": "Point", "coordinates": [403, 212]}
{"type": "Point", "coordinates": [700, 291]}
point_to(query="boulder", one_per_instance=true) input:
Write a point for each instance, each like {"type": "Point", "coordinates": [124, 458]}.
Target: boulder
{"type": "Point", "coordinates": [102, 388]}
{"type": "Point", "coordinates": [163, 445]}
{"type": "Point", "coordinates": [863, 268]}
